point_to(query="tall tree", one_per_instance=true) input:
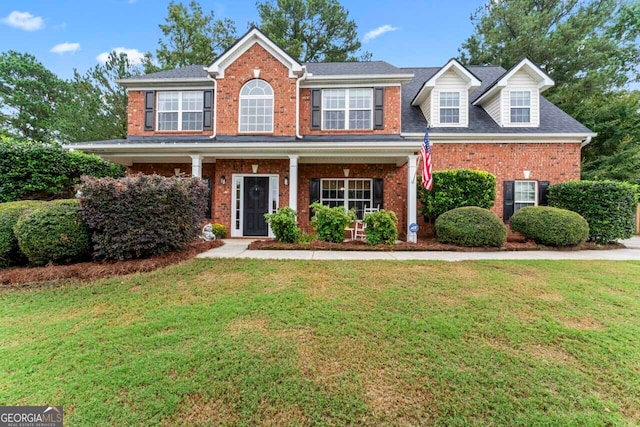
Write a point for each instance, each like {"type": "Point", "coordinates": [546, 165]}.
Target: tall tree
{"type": "Point", "coordinates": [29, 96]}
{"type": "Point", "coordinates": [311, 30]}
{"type": "Point", "coordinates": [589, 47]}
{"type": "Point", "coordinates": [191, 37]}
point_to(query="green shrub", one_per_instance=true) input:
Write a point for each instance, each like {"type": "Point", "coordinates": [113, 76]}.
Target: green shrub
{"type": "Point", "coordinates": [141, 216]}
{"type": "Point", "coordinates": [284, 225]}
{"type": "Point", "coordinates": [219, 230]}
{"type": "Point", "coordinates": [53, 233]}
{"type": "Point", "coordinates": [31, 170]}
{"type": "Point", "coordinates": [9, 214]}
{"type": "Point", "coordinates": [382, 227]}
{"type": "Point", "coordinates": [330, 223]}
{"type": "Point", "coordinates": [457, 188]}
{"type": "Point", "coordinates": [471, 226]}
{"type": "Point", "coordinates": [550, 226]}
{"type": "Point", "coordinates": [608, 206]}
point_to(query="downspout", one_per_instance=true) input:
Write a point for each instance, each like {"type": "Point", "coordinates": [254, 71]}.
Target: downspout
{"type": "Point", "coordinates": [301, 78]}
{"type": "Point", "coordinates": [215, 106]}
{"type": "Point", "coordinates": [586, 141]}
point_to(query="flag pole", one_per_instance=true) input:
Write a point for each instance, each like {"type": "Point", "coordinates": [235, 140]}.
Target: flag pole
{"type": "Point", "coordinates": [415, 175]}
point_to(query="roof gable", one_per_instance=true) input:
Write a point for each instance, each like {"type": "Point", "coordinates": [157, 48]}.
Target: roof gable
{"type": "Point", "coordinates": [472, 81]}
{"type": "Point", "coordinates": [253, 36]}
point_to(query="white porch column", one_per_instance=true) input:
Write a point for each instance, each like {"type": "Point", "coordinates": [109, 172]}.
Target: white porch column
{"type": "Point", "coordinates": [196, 166]}
{"type": "Point", "coordinates": [293, 182]}
{"type": "Point", "coordinates": [412, 197]}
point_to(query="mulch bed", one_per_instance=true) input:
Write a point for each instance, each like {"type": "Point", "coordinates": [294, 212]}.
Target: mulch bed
{"type": "Point", "coordinates": [424, 244]}
{"type": "Point", "coordinates": [86, 271]}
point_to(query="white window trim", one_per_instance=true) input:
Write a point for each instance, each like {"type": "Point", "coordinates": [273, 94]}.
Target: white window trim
{"type": "Point", "coordinates": [179, 111]}
{"type": "Point", "coordinates": [535, 192]}
{"type": "Point", "coordinates": [273, 107]}
{"type": "Point", "coordinates": [346, 108]}
{"type": "Point", "coordinates": [274, 200]}
{"type": "Point", "coordinates": [345, 182]}
{"type": "Point", "coordinates": [531, 94]}
{"type": "Point", "coordinates": [441, 107]}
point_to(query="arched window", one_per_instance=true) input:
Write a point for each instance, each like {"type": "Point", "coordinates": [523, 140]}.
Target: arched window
{"type": "Point", "coordinates": [256, 107]}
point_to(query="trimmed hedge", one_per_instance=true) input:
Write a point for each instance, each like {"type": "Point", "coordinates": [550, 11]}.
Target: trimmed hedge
{"type": "Point", "coordinates": [608, 206]}
{"type": "Point", "coordinates": [9, 214]}
{"type": "Point", "coordinates": [284, 225]}
{"type": "Point", "coordinates": [382, 227]}
{"type": "Point", "coordinates": [330, 223]}
{"type": "Point", "coordinates": [53, 233]}
{"type": "Point", "coordinates": [141, 216]}
{"type": "Point", "coordinates": [550, 226]}
{"type": "Point", "coordinates": [457, 188]}
{"type": "Point", "coordinates": [471, 226]}
{"type": "Point", "coordinates": [31, 170]}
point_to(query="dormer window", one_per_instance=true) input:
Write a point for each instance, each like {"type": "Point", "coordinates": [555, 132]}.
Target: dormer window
{"type": "Point", "coordinates": [449, 107]}
{"type": "Point", "coordinates": [256, 107]}
{"type": "Point", "coordinates": [521, 106]}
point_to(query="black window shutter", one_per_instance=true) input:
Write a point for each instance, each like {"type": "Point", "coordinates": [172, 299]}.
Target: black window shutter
{"type": "Point", "coordinates": [378, 193]}
{"type": "Point", "coordinates": [543, 192]}
{"type": "Point", "coordinates": [314, 193]}
{"type": "Point", "coordinates": [149, 106]}
{"type": "Point", "coordinates": [207, 110]}
{"type": "Point", "coordinates": [508, 200]}
{"type": "Point", "coordinates": [316, 106]}
{"type": "Point", "coordinates": [378, 120]}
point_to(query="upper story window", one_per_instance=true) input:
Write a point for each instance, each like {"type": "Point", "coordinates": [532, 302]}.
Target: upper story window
{"type": "Point", "coordinates": [450, 107]}
{"type": "Point", "coordinates": [520, 106]}
{"type": "Point", "coordinates": [256, 107]}
{"type": "Point", "coordinates": [347, 109]}
{"type": "Point", "coordinates": [180, 111]}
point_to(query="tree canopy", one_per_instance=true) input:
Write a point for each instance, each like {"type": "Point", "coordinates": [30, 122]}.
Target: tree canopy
{"type": "Point", "coordinates": [311, 30]}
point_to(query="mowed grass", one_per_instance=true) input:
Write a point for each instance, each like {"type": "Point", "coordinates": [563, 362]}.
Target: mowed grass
{"type": "Point", "coordinates": [253, 342]}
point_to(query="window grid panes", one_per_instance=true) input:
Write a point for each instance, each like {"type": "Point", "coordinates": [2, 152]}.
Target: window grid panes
{"type": "Point", "coordinates": [520, 107]}
{"type": "Point", "coordinates": [525, 194]}
{"type": "Point", "coordinates": [256, 107]}
{"type": "Point", "coordinates": [347, 108]}
{"type": "Point", "coordinates": [354, 194]}
{"type": "Point", "coordinates": [449, 107]}
{"type": "Point", "coordinates": [180, 111]}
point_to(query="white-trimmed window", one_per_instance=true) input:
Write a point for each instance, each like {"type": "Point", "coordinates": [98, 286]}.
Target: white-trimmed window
{"type": "Point", "coordinates": [450, 107]}
{"type": "Point", "coordinates": [345, 109]}
{"type": "Point", "coordinates": [520, 106]}
{"type": "Point", "coordinates": [525, 194]}
{"type": "Point", "coordinates": [180, 111]}
{"type": "Point", "coordinates": [354, 194]}
{"type": "Point", "coordinates": [256, 107]}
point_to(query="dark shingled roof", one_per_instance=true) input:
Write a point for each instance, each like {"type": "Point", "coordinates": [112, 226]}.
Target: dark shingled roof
{"type": "Point", "coordinates": [352, 68]}
{"type": "Point", "coordinates": [552, 118]}
{"type": "Point", "coordinates": [188, 72]}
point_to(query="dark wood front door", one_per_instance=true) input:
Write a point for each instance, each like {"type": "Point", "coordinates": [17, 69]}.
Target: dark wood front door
{"type": "Point", "coordinates": [256, 204]}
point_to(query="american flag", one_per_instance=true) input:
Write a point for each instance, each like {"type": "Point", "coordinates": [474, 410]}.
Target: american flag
{"type": "Point", "coordinates": [425, 156]}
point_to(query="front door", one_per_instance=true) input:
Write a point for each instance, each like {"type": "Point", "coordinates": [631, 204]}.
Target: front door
{"type": "Point", "coordinates": [256, 204]}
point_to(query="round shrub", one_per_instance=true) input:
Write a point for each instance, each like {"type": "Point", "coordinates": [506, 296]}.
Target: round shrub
{"type": "Point", "coordinates": [550, 226]}
{"type": "Point", "coordinates": [330, 223]}
{"type": "Point", "coordinates": [283, 224]}
{"type": "Point", "coordinates": [9, 214]}
{"type": "Point", "coordinates": [471, 226]}
{"type": "Point", "coordinates": [382, 227]}
{"type": "Point", "coordinates": [53, 232]}
{"type": "Point", "coordinates": [608, 206]}
{"type": "Point", "coordinates": [219, 230]}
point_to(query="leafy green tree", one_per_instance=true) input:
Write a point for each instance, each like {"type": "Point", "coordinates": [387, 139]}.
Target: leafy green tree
{"type": "Point", "coordinates": [191, 37]}
{"type": "Point", "coordinates": [311, 30]}
{"type": "Point", "coordinates": [29, 97]}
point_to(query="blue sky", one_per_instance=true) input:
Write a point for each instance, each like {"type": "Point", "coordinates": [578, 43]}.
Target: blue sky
{"type": "Point", "coordinates": [68, 34]}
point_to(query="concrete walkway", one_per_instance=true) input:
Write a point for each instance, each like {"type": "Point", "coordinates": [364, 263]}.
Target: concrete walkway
{"type": "Point", "coordinates": [238, 248]}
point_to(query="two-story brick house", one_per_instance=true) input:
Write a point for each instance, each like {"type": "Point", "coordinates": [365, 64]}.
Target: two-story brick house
{"type": "Point", "coordinates": [266, 131]}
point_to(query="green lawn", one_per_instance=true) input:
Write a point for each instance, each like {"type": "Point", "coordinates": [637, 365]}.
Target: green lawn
{"type": "Point", "coordinates": [234, 342]}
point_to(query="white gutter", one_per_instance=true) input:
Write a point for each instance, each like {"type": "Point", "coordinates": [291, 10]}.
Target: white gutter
{"type": "Point", "coordinates": [301, 78]}
{"type": "Point", "coordinates": [215, 106]}
{"type": "Point", "coordinates": [587, 140]}
{"type": "Point", "coordinates": [500, 137]}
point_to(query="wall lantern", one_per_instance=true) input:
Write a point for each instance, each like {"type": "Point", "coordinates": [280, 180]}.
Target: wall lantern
{"type": "Point", "coordinates": [223, 180]}
{"type": "Point", "coordinates": [346, 173]}
{"type": "Point", "coordinates": [254, 168]}
{"type": "Point", "coordinates": [286, 180]}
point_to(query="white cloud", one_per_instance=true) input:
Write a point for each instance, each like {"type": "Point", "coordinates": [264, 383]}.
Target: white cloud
{"type": "Point", "coordinates": [65, 48]}
{"type": "Point", "coordinates": [135, 56]}
{"type": "Point", "coordinates": [378, 32]}
{"type": "Point", "coordinates": [23, 20]}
